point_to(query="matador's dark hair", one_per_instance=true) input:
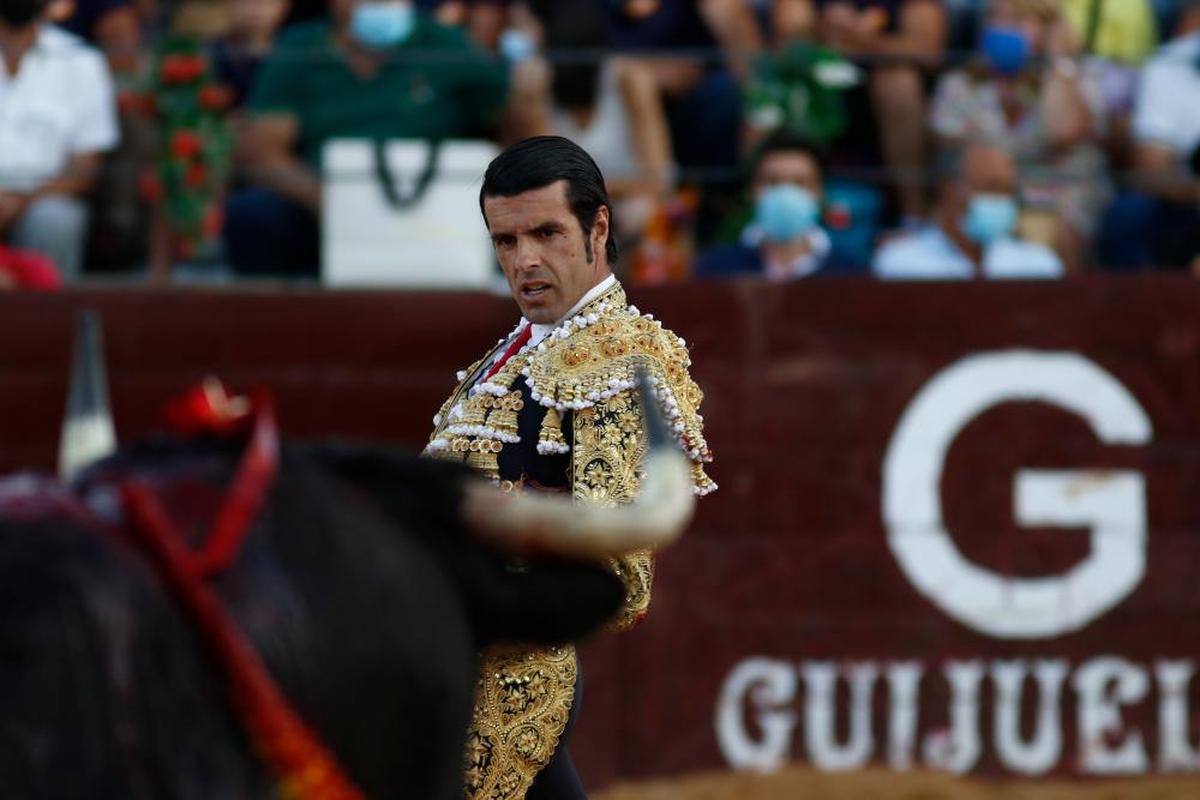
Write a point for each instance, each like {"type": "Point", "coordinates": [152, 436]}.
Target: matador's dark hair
{"type": "Point", "coordinates": [543, 160]}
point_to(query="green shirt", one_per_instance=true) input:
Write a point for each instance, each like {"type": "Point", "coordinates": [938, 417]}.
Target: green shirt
{"type": "Point", "coordinates": [434, 85]}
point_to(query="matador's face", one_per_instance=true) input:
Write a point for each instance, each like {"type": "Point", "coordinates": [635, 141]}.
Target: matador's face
{"type": "Point", "coordinates": [549, 262]}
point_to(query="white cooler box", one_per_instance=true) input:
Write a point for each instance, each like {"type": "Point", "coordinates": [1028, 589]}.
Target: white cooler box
{"type": "Point", "coordinates": [425, 231]}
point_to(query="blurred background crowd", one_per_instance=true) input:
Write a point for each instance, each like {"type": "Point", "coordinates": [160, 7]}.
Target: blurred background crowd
{"type": "Point", "coordinates": [896, 138]}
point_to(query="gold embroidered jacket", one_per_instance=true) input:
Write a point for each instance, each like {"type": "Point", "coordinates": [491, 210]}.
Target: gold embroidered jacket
{"type": "Point", "coordinates": [582, 374]}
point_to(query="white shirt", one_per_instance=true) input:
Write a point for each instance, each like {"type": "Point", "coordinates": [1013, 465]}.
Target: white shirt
{"type": "Point", "coordinates": [928, 254]}
{"type": "Point", "coordinates": [61, 103]}
{"type": "Point", "coordinates": [542, 331]}
{"type": "Point", "coordinates": [802, 265]}
{"type": "Point", "coordinates": [1167, 111]}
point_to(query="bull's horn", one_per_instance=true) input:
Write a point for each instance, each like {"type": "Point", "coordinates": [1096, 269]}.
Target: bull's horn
{"type": "Point", "coordinates": [87, 431]}
{"type": "Point", "coordinates": [533, 523]}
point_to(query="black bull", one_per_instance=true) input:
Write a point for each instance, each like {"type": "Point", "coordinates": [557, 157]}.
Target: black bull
{"type": "Point", "coordinates": [359, 586]}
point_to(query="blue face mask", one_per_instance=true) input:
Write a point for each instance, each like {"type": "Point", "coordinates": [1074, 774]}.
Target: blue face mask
{"type": "Point", "coordinates": [786, 212]}
{"type": "Point", "coordinates": [383, 25]}
{"type": "Point", "coordinates": [989, 217]}
{"type": "Point", "coordinates": [1006, 50]}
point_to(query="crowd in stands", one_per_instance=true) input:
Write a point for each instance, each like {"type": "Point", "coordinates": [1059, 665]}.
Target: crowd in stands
{"type": "Point", "coordinates": [932, 139]}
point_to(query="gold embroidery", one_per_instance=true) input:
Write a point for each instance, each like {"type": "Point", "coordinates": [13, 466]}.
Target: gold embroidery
{"type": "Point", "coordinates": [550, 439]}
{"type": "Point", "coordinates": [482, 459]}
{"type": "Point", "coordinates": [609, 446]}
{"type": "Point", "coordinates": [521, 709]}
{"type": "Point", "coordinates": [503, 420]}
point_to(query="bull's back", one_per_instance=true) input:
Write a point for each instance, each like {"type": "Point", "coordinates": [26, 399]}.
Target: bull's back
{"type": "Point", "coordinates": [104, 691]}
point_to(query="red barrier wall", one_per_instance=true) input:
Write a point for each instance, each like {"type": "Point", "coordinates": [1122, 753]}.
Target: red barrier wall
{"type": "Point", "coordinates": [794, 623]}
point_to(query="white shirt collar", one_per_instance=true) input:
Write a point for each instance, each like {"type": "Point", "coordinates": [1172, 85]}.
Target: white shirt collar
{"type": "Point", "coordinates": [804, 265]}
{"type": "Point", "coordinates": [929, 254]}
{"type": "Point", "coordinates": [542, 331]}
{"type": "Point", "coordinates": [53, 39]}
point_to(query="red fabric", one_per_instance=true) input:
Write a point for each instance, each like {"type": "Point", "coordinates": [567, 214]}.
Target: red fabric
{"type": "Point", "coordinates": [305, 768]}
{"type": "Point", "coordinates": [245, 498]}
{"type": "Point", "coordinates": [208, 409]}
{"type": "Point", "coordinates": [517, 344]}
{"type": "Point", "coordinates": [28, 270]}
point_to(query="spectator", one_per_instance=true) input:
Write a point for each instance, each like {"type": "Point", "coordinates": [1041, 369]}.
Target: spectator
{"type": "Point", "coordinates": [483, 20]}
{"type": "Point", "coordinates": [1115, 39]}
{"type": "Point", "coordinates": [613, 111]}
{"type": "Point", "coordinates": [117, 217]}
{"type": "Point", "coordinates": [373, 70]}
{"type": "Point", "coordinates": [1160, 224]}
{"type": "Point", "coordinates": [701, 95]}
{"type": "Point", "coordinates": [249, 38]}
{"type": "Point", "coordinates": [1029, 91]}
{"type": "Point", "coordinates": [57, 116]}
{"type": "Point", "coordinates": [897, 40]}
{"type": "Point", "coordinates": [111, 25]}
{"type": "Point", "coordinates": [1121, 31]}
{"type": "Point", "coordinates": [784, 239]}
{"type": "Point", "coordinates": [646, 25]}
{"type": "Point", "coordinates": [972, 232]}
{"type": "Point", "coordinates": [803, 87]}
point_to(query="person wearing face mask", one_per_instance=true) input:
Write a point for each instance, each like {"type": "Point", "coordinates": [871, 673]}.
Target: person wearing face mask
{"type": "Point", "coordinates": [897, 44]}
{"type": "Point", "coordinates": [972, 235]}
{"type": "Point", "coordinates": [57, 117]}
{"type": "Point", "coordinates": [373, 69]}
{"type": "Point", "coordinates": [1029, 89]}
{"type": "Point", "coordinates": [784, 239]}
{"type": "Point", "coordinates": [1155, 223]}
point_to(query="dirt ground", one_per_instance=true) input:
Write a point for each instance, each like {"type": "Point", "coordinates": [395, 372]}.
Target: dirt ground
{"type": "Point", "coordinates": [880, 784]}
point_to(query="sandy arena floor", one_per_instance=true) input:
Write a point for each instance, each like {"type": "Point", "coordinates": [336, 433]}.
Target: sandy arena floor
{"type": "Point", "coordinates": [807, 784]}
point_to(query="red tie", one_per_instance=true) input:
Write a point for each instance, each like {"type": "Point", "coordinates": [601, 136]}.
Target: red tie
{"type": "Point", "coordinates": [517, 344]}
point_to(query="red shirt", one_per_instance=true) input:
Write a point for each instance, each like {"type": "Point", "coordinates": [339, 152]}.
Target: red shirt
{"type": "Point", "coordinates": [26, 270]}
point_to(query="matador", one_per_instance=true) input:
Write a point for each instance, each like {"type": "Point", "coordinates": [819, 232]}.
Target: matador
{"type": "Point", "coordinates": [551, 408]}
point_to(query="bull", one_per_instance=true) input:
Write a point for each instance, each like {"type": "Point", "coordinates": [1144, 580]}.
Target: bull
{"type": "Point", "coordinates": [327, 648]}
